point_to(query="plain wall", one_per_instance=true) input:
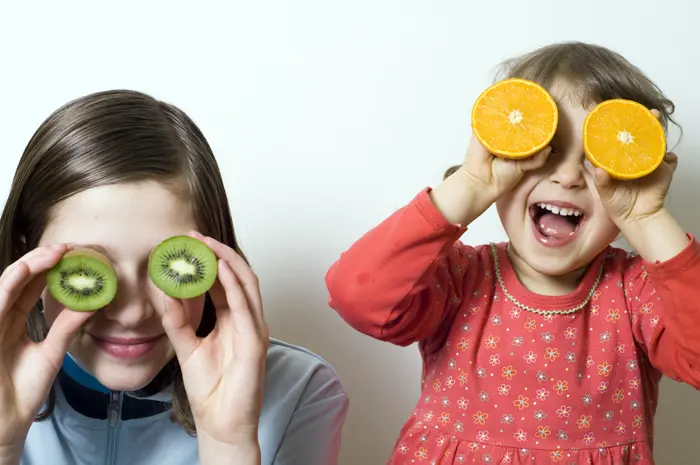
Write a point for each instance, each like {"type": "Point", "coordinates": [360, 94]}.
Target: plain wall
{"type": "Point", "coordinates": [326, 116]}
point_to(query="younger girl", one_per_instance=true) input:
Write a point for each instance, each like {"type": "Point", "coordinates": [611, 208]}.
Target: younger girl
{"type": "Point", "coordinates": [548, 348]}
{"type": "Point", "coordinates": [146, 380]}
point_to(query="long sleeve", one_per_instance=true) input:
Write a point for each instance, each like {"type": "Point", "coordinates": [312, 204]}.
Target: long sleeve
{"type": "Point", "coordinates": [664, 303]}
{"type": "Point", "coordinates": [403, 280]}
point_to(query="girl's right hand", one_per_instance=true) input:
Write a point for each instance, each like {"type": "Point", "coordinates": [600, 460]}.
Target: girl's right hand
{"type": "Point", "coordinates": [496, 175]}
{"type": "Point", "coordinates": [479, 182]}
{"type": "Point", "coordinates": [27, 368]}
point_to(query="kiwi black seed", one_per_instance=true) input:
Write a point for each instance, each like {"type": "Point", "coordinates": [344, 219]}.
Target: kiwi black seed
{"type": "Point", "coordinates": [83, 280]}
{"type": "Point", "coordinates": [182, 267]}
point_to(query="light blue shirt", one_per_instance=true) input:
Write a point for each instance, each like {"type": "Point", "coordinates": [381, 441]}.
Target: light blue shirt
{"type": "Point", "coordinates": [304, 408]}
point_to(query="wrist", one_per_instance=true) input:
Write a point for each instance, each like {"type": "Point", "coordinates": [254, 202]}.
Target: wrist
{"type": "Point", "coordinates": [461, 199]}
{"type": "Point", "coordinates": [244, 449]}
{"type": "Point", "coordinates": [10, 455]}
{"type": "Point", "coordinates": [657, 237]}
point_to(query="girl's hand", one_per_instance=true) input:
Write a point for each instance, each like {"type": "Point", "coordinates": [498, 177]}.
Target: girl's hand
{"type": "Point", "coordinates": [27, 368]}
{"type": "Point", "coordinates": [496, 175]}
{"type": "Point", "coordinates": [223, 373]}
{"type": "Point", "coordinates": [629, 201]}
{"type": "Point", "coordinates": [469, 191]}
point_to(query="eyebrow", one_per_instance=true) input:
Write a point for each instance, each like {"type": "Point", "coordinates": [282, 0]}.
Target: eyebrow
{"type": "Point", "coordinates": [96, 247]}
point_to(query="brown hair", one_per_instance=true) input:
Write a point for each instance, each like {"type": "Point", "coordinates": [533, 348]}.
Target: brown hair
{"type": "Point", "coordinates": [592, 74]}
{"type": "Point", "coordinates": [113, 137]}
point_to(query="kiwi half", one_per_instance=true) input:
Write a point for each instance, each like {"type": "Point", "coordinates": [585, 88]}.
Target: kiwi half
{"type": "Point", "coordinates": [182, 267]}
{"type": "Point", "coordinates": [83, 280]}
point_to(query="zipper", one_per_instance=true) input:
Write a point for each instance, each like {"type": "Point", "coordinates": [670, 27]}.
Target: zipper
{"type": "Point", "coordinates": [114, 413]}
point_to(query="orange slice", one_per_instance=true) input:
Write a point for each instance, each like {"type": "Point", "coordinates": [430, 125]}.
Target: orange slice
{"type": "Point", "coordinates": [624, 138]}
{"type": "Point", "coordinates": [515, 118]}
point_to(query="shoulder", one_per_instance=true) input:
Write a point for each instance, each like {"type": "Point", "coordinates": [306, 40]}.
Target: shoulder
{"type": "Point", "coordinates": [297, 377]}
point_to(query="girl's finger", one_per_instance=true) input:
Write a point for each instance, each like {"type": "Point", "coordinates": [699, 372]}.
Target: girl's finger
{"type": "Point", "coordinates": [30, 256]}
{"type": "Point", "coordinates": [62, 332]}
{"type": "Point", "coordinates": [178, 329]}
{"type": "Point", "coordinates": [29, 269]}
{"type": "Point", "coordinates": [240, 311]}
{"type": "Point", "coordinates": [243, 273]}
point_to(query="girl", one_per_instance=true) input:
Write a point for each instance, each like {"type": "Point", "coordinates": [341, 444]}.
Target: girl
{"type": "Point", "coordinates": [548, 348]}
{"type": "Point", "coordinates": [147, 379]}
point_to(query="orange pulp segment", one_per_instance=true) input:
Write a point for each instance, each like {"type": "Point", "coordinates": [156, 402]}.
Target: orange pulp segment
{"type": "Point", "coordinates": [624, 138]}
{"type": "Point", "coordinates": [515, 118]}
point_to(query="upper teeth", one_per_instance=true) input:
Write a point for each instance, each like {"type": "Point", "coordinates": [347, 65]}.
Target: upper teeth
{"type": "Point", "coordinates": [560, 211]}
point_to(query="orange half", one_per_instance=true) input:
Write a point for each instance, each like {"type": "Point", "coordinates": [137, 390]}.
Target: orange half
{"type": "Point", "coordinates": [515, 118]}
{"type": "Point", "coordinates": [624, 138]}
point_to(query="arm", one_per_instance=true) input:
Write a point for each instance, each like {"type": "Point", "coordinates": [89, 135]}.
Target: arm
{"type": "Point", "coordinates": [403, 280]}
{"type": "Point", "coordinates": [313, 435]}
{"type": "Point", "coordinates": [663, 297]}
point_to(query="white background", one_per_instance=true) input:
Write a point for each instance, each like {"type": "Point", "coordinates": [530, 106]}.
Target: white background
{"type": "Point", "coordinates": [325, 117]}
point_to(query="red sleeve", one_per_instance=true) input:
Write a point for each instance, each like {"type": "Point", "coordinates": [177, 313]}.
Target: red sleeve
{"type": "Point", "coordinates": [664, 303]}
{"type": "Point", "coordinates": [403, 280]}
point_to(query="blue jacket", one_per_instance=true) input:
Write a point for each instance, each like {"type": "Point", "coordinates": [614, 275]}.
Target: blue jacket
{"type": "Point", "coordinates": [304, 409]}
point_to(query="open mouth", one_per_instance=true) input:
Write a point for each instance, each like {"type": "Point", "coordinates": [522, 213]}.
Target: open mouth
{"type": "Point", "coordinates": [556, 224]}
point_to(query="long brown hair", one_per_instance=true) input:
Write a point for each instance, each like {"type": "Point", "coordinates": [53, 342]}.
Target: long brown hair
{"type": "Point", "coordinates": [114, 137]}
{"type": "Point", "coordinates": [592, 74]}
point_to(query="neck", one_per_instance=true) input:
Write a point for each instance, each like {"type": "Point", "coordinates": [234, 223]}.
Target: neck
{"type": "Point", "coordinates": [541, 283]}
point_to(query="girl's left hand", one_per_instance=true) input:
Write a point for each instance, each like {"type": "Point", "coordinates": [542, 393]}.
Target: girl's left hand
{"type": "Point", "coordinates": [628, 201]}
{"type": "Point", "coordinates": [223, 373]}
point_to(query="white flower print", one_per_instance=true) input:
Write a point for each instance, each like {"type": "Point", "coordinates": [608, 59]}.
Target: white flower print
{"type": "Point", "coordinates": [495, 359]}
{"type": "Point", "coordinates": [482, 436]}
{"type": "Point", "coordinates": [609, 415]}
{"type": "Point", "coordinates": [605, 336]}
{"type": "Point", "coordinates": [549, 318]}
{"type": "Point", "coordinates": [564, 411]}
{"type": "Point", "coordinates": [634, 404]}
{"type": "Point", "coordinates": [530, 357]}
{"type": "Point", "coordinates": [542, 376]}
{"type": "Point", "coordinates": [445, 402]}
{"type": "Point", "coordinates": [620, 348]}
{"type": "Point", "coordinates": [466, 327]}
{"type": "Point", "coordinates": [654, 321]}
{"type": "Point", "coordinates": [587, 399]}
{"type": "Point", "coordinates": [635, 383]}
{"type": "Point", "coordinates": [496, 320]}
{"type": "Point", "coordinates": [515, 313]}
{"type": "Point", "coordinates": [571, 357]}
{"type": "Point", "coordinates": [403, 448]}
{"type": "Point", "coordinates": [539, 415]}
{"type": "Point", "coordinates": [518, 341]}
{"type": "Point", "coordinates": [481, 372]}
{"type": "Point", "coordinates": [463, 403]}
{"type": "Point", "coordinates": [452, 364]}
{"type": "Point", "coordinates": [547, 337]}
{"type": "Point", "coordinates": [484, 396]}
{"type": "Point", "coordinates": [449, 381]}
{"type": "Point", "coordinates": [542, 394]}
{"type": "Point", "coordinates": [507, 419]}
{"type": "Point", "coordinates": [459, 426]}
{"type": "Point", "coordinates": [562, 436]}
{"type": "Point", "coordinates": [520, 435]}
{"type": "Point", "coordinates": [503, 390]}
{"type": "Point", "coordinates": [631, 365]}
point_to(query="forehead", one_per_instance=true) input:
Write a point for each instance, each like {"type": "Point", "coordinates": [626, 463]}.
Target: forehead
{"type": "Point", "coordinates": [123, 217]}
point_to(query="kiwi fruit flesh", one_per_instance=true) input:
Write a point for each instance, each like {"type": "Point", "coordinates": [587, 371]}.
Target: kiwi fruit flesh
{"type": "Point", "coordinates": [182, 267]}
{"type": "Point", "coordinates": [83, 280]}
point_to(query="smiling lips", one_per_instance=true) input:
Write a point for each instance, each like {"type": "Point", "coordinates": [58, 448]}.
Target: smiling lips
{"type": "Point", "coordinates": [126, 348]}
{"type": "Point", "coordinates": [556, 224]}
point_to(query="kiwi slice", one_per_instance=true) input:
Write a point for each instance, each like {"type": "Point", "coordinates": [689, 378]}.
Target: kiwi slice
{"type": "Point", "coordinates": [182, 267]}
{"type": "Point", "coordinates": [83, 280]}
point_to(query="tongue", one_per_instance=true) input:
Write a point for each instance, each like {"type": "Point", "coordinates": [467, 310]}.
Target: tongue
{"type": "Point", "coordinates": [553, 225]}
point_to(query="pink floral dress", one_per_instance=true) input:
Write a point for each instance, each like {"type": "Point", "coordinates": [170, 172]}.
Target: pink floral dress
{"type": "Point", "coordinates": [509, 377]}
